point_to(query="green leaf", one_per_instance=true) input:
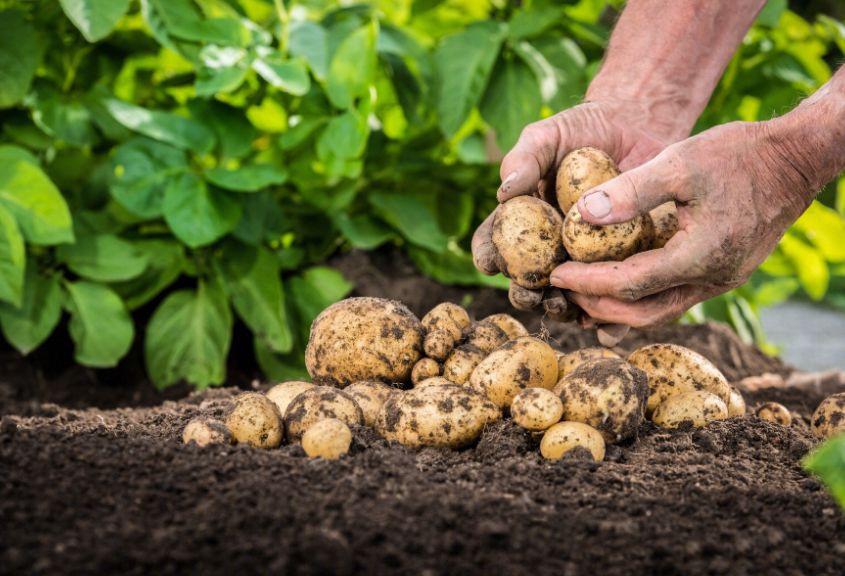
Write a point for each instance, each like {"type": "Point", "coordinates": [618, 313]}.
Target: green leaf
{"type": "Point", "coordinates": [313, 290]}
{"type": "Point", "coordinates": [825, 228]}
{"type": "Point", "coordinates": [18, 57]}
{"type": "Point", "coordinates": [188, 338]}
{"type": "Point", "coordinates": [287, 75]}
{"type": "Point", "coordinates": [813, 272]}
{"type": "Point", "coordinates": [27, 326]}
{"type": "Point", "coordinates": [512, 101]}
{"type": "Point", "coordinates": [546, 75]}
{"type": "Point", "coordinates": [95, 18]}
{"type": "Point", "coordinates": [463, 63]}
{"type": "Point", "coordinates": [68, 121]}
{"type": "Point", "coordinates": [248, 178]}
{"type": "Point", "coordinates": [165, 259]}
{"type": "Point", "coordinates": [353, 67]}
{"type": "Point", "coordinates": [362, 231]}
{"type": "Point", "coordinates": [527, 23]}
{"type": "Point", "coordinates": [828, 463]}
{"type": "Point", "coordinates": [166, 127]}
{"type": "Point", "coordinates": [141, 172]}
{"type": "Point", "coordinates": [263, 219]}
{"type": "Point", "coordinates": [183, 19]}
{"type": "Point", "coordinates": [12, 259]}
{"type": "Point", "coordinates": [102, 257]}
{"type": "Point", "coordinates": [771, 13]}
{"type": "Point", "coordinates": [453, 266]}
{"type": "Point", "coordinates": [279, 367]}
{"type": "Point", "coordinates": [28, 194]}
{"type": "Point", "coordinates": [100, 325]}
{"type": "Point", "coordinates": [344, 137]}
{"type": "Point", "coordinates": [234, 132]}
{"type": "Point", "coordinates": [197, 214]}
{"type": "Point", "coordinates": [223, 69]}
{"type": "Point", "coordinates": [308, 40]}
{"type": "Point", "coordinates": [413, 215]}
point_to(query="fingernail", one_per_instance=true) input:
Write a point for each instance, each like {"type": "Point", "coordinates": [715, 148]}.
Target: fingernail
{"type": "Point", "coordinates": [597, 203]}
{"type": "Point", "coordinates": [506, 183]}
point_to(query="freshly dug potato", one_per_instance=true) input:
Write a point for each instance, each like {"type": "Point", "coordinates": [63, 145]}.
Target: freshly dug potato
{"type": "Point", "coordinates": [829, 418]}
{"type": "Point", "coordinates": [565, 437]}
{"type": "Point", "coordinates": [328, 439]}
{"type": "Point", "coordinates": [447, 316]}
{"type": "Point", "coordinates": [425, 368]}
{"type": "Point", "coordinates": [558, 307]}
{"type": "Point", "coordinates": [317, 404]}
{"type": "Point", "coordinates": [512, 327]}
{"type": "Point", "coordinates": [486, 337]}
{"type": "Point", "coordinates": [281, 394]}
{"type": "Point", "coordinates": [697, 406]}
{"type": "Point", "coordinates": [673, 369]}
{"type": "Point", "coordinates": [526, 362]}
{"type": "Point", "coordinates": [526, 233]}
{"type": "Point", "coordinates": [608, 394]}
{"type": "Point", "coordinates": [255, 420]}
{"type": "Point", "coordinates": [536, 409]}
{"type": "Point", "coordinates": [581, 170]}
{"type": "Point", "coordinates": [205, 431]}
{"type": "Point", "coordinates": [665, 220]}
{"type": "Point", "coordinates": [736, 403]}
{"type": "Point", "coordinates": [566, 363]}
{"type": "Point", "coordinates": [461, 362]}
{"type": "Point", "coordinates": [585, 242]}
{"type": "Point", "coordinates": [774, 412]}
{"type": "Point", "coordinates": [438, 344]}
{"type": "Point", "coordinates": [434, 381]}
{"type": "Point", "coordinates": [370, 396]}
{"type": "Point", "coordinates": [447, 416]}
{"type": "Point", "coordinates": [363, 339]}
{"type": "Point", "coordinates": [523, 298]}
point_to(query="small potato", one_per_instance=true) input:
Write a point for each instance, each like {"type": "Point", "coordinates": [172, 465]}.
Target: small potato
{"type": "Point", "coordinates": [523, 298]}
{"type": "Point", "coordinates": [566, 437]}
{"type": "Point", "coordinates": [425, 368]}
{"type": "Point", "coordinates": [608, 394]}
{"type": "Point", "coordinates": [829, 418]}
{"type": "Point", "coordinates": [512, 327]}
{"type": "Point", "coordinates": [586, 242]}
{"type": "Point", "coordinates": [317, 404]}
{"type": "Point", "coordinates": [673, 369]}
{"type": "Point", "coordinates": [566, 363]}
{"type": "Point", "coordinates": [255, 420]}
{"type": "Point", "coordinates": [205, 431]}
{"type": "Point", "coordinates": [558, 307]}
{"type": "Point", "coordinates": [281, 394]}
{"type": "Point", "coordinates": [461, 362]}
{"type": "Point", "coordinates": [370, 396]}
{"type": "Point", "coordinates": [526, 362]}
{"type": "Point", "coordinates": [536, 409]}
{"type": "Point", "coordinates": [447, 316]}
{"type": "Point", "coordinates": [438, 344]}
{"type": "Point", "coordinates": [445, 416]}
{"type": "Point", "coordinates": [774, 412]}
{"type": "Point", "coordinates": [328, 439]}
{"type": "Point", "coordinates": [581, 170]}
{"type": "Point", "coordinates": [665, 220]}
{"type": "Point", "coordinates": [486, 337]}
{"type": "Point", "coordinates": [526, 233]}
{"type": "Point", "coordinates": [697, 406]}
{"type": "Point", "coordinates": [434, 381]}
{"type": "Point", "coordinates": [736, 403]}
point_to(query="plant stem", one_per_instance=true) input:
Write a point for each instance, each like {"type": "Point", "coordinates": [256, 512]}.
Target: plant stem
{"type": "Point", "coordinates": [284, 22]}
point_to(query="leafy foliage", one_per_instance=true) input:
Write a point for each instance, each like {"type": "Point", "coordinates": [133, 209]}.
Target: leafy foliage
{"type": "Point", "coordinates": [828, 463]}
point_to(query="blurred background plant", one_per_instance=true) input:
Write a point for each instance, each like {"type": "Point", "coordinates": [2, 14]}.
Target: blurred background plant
{"type": "Point", "coordinates": [169, 165]}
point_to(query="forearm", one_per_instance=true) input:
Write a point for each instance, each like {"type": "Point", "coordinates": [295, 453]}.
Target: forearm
{"type": "Point", "coordinates": [669, 56]}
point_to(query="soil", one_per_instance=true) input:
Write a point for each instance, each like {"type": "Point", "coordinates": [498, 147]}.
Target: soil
{"type": "Point", "coordinates": [101, 491]}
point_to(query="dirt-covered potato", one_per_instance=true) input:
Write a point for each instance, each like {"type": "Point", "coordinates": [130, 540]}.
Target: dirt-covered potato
{"type": "Point", "coordinates": [281, 394]}
{"type": "Point", "coordinates": [205, 431]}
{"type": "Point", "coordinates": [461, 362]}
{"type": "Point", "coordinates": [438, 344]}
{"type": "Point", "coordinates": [255, 420]}
{"type": "Point", "coordinates": [447, 316]}
{"type": "Point", "coordinates": [526, 362]}
{"type": "Point", "coordinates": [512, 327]}
{"type": "Point", "coordinates": [566, 363]}
{"type": "Point", "coordinates": [736, 403]}
{"type": "Point", "coordinates": [486, 337]}
{"type": "Point", "coordinates": [608, 394]}
{"type": "Point", "coordinates": [447, 416]}
{"type": "Point", "coordinates": [363, 339]}
{"type": "Point", "coordinates": [665, 220]}
{"type": "Point", "coordinates": [425, 368]}
{"type": "Point", "coordinates": [775, 413]}
{"type": "Point", "coordinates": [536, 409]}
{"type": "Point", "coordinates": [317, 404]}
{"type": "Point", "coordinates": [565, 437]}
{"type": "Point", "coordinates": [673, 369]}
{"type": "Point", "coordinates": [586, 242]}
{"type": "Point", "coordinates": [829, 418]}
{"type": "Point", "coordinates": [328, 439]}
{"type": "Point", "coordinates": [523, 298]}
{"type": "Point", "coordinates": [526, 233]}
{"type": "Point", "coordinates": [698, 407]}
{"type": "Point", "coordinates": [434, 381]}
{"type": "Point", "coordinates": [370, 396]}
{"type": "Point", "coordinates": [581, 170]}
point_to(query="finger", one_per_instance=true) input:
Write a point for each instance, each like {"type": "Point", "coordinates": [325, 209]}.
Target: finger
{"type": "Point", "coordinates": [649, 311]}
{"type": "Point", "coordinates": [483, 250]}
{"type": "Point", "coordinates": [612, 334]}
{"type": "Point", "coordinates": [531, 159]}
{"type": "Point", "coordinates": [523, 298]}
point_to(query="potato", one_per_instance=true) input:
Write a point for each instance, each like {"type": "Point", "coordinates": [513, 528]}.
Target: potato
{"type": "Point", "coordinates": [585, 242]}
{"type": "Point", "coordinates": [566, 363]}
{"type": "Point", "coordinates": [363, 339]}
{"type": "Point", "coordinates": [829, 418]}
{"type": "Point", "coordinates": [438, 344]}
{"type": "Point", "coordinates": [558, 307]}
{"type": "Point", "coordinates": [526, 233]}
{"type": "Point", "coordinates": [536, 409]}
{"type": "Point", "coordinates": [370, 396]}
{"type": "Point", "coordinates": [698, 406]}
{"type": "Point", "coordinates": [281, 394]}
{"type": "Point", "coordinates": [446, 416]}
{"type": "Point", "coordinates": [447, 316]}
{"type": "Point", "coordinates": [736, 403]}
{"type": "Point", "coordinates": [512, 327]}
{"type": "Point", "coordinates": [582, 170]}
{"type": "Point", "coordinates": [434, 381]}
{"type": "Point", "coordinates": [673, 369]}
{"type": "Point", "coordinates": [205, 431]}
{"type": "Point", "coordinates": [255, 420]}
{"type": "Point", "coordinates": [526, 362]}
{"type": "Point", "coordinates": [425, 368]}
{"type": "Point", "coordinates": [608, 394]}
{"type": "Point", "coordinates": [317, 404]}
{"type": "Point", "coordinates": [328, 439]}
{"type": "Point", "coordinates": [486, 337]}
{"type": "Point", "coordinates": [665, 220]}
{"type": "Point", "coordinates": [774, 412]}
{"type": "Point", "coordinates": [523, 298]}
{"type": "Point", "coordinates": [461, 362]}
{"type": "Point", "coordinates": [565, 437]}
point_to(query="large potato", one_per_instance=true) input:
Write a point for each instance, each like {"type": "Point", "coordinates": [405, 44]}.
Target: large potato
{"type": "Point", "coordinates": [608, 394]}
{"type": "Point", "coordinates": [205, 431]}
{"type": "Point", "coordinates": [829, 418]}
{"type": "Point", "coordinates": [447, 316]}
{"type": "Point", "coordinates": [698, 407]}
{"type": "Point", "coordinates": [256, 421]}
{"type": "Point", "coordinates": [586, 242]}
{"type": "Point", "coordinates": [364, 339]}
{"type": "Point", "coordinates": [448, 416]}
{"type": "Point", "coordinates": [434, 381]}
{"type": "Point", "coordinates": [536, 409]}
{"type": "Point", "coordinates": [328, 439]}
{"type": "Point", "coordinates": [526, 362]}
{"type": "Point", "coordinates": [673, 369]}
{"type": "Point", "coordinates": [775, 413]}
{"type": "Point", "coordinates": [461, 362]}
{"type": "Point", "coordinates": [370, 396]}
{"type": "Point", "coordinates": [566, 363]}
{"type": "Point", "coordinates": [581, 170]}
{"type": "Point", "coordinates": [283, 393]}
{"type": "Point", "coordinates": [665, 220]}
{"type": "Point", "coordinates": [566, 437]}
{"type": "Point", "coordinates": [527, 236]}
{"type": "Point", "coordinates": [512, 327]}
{"type": "Point", "coordinates": [317, 404]}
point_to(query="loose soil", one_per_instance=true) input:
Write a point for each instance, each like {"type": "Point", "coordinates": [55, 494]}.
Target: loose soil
{"type": "Point", "coordinates": [106, 491]}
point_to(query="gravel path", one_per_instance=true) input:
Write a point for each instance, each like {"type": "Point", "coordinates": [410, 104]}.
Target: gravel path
{"type": "Point", "coordinates": [810, 337]}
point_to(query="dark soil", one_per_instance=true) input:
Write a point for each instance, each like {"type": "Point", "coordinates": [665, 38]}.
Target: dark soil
{"type": "Point", "coordinates": [98, 491]}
